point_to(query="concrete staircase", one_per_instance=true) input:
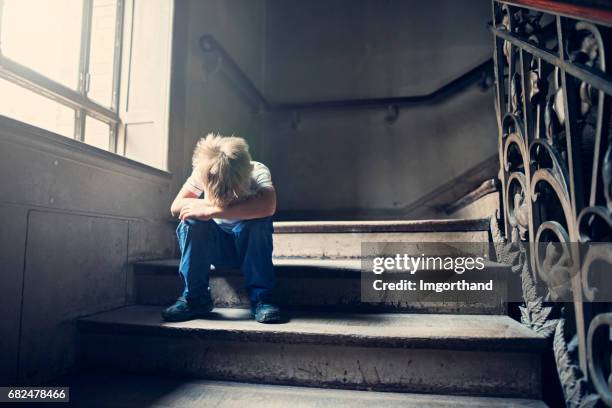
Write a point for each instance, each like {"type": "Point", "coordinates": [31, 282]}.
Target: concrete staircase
{"type": "Point", "coordinates": [424, 354]}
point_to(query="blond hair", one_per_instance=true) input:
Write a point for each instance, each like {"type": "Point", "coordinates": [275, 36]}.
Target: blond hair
{"type": "Point", "coordinates": [224, 165]}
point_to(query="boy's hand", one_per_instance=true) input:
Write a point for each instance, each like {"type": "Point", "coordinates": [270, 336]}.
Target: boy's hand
{"type": "Point", "coordinates": [198, 210]}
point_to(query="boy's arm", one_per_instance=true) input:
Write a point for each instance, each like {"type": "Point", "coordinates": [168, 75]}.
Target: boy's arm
{"type": "Point", "coordinates": [262, 204]}
{"type": "Point", "coordinates": [183, 198]}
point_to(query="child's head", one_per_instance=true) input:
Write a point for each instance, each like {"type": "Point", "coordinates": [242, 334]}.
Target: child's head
{"type": "Point", "coordinates": [224, 166]}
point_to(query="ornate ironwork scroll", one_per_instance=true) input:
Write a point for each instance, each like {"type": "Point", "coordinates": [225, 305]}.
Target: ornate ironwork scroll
{"type": "Point", "coordinates": [553, 103]}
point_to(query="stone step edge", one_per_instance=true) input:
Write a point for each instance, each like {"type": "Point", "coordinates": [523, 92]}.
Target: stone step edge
{"type": "Point", "coordinates": [441, 225]}
{"type": "Point", "coordinates": [296, 267]}
{"type": "Point", "coordinates": [86, 389]}
{"type": "Point", "coordinates": [533, 343]}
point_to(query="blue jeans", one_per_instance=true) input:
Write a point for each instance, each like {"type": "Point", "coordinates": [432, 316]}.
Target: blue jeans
{"type": "Point", "coordinates": [248, 247]}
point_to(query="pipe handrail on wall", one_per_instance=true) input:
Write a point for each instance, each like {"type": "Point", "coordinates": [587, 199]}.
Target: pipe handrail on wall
{"type": "Point", "coordinates": [230, 68]}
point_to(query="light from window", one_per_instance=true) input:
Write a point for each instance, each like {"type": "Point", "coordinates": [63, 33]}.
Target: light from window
{"type": "Point", "coordinates": [102, 51]}
{"type": "Point", "coordinates": [45, 36]}
{"type": "Point", "coordinates": [73, 68]}
{"type": "Point", "coordinates": [26, 106]}
{"type": "Point", "coordinates": [96, 133]}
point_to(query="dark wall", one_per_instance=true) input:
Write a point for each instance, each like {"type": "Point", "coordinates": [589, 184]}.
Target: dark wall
{"type": "Point", "coordinates": [213, 104]}
{"type": "Point", "coordinates": [73, 220]}
{"type": "Point", "coordinates": [330, 49]}
{"type": "Point", "coordinates": [352, 160]}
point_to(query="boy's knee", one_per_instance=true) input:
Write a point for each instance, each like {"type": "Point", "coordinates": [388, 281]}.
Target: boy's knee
{"type": "Point", "coordinates": [260, 224]}
{"type": "Point", "coordinates": [191, 223]}
{"type": "Point", "coordinates": [189, 227]}
{"type": "Point", "coordinates": [257, 226]}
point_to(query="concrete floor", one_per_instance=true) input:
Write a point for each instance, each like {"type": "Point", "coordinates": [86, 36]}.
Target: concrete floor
{"type": "Point", "coordinates": [123, 391]}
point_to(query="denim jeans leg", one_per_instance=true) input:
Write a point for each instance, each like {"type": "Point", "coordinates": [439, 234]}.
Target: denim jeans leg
{"type": "Point", "coordinates": [253, 240]}
{"type": "Point", "coordinates": [199, 244]}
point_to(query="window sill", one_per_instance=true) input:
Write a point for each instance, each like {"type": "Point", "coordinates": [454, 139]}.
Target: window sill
{"type": "Point", "coordinates": [22, 133]}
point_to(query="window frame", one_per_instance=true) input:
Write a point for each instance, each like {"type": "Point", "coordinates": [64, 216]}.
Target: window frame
{"type": "Point", "coordinates": [78, 99]}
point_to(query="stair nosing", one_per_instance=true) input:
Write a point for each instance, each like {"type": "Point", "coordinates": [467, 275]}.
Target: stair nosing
{"type": "Point", "coordinates": [531, 344]}
{"type": "Point", "coordinates": [90, 382]}
{"type": "Point", "coordinates": [347, 268]}
{"type": "Point", "coordinates": [433, 226]}
{"type": "Point", "coordinates": [307, 267]}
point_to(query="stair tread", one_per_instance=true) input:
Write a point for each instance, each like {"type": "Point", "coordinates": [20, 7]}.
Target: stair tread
{"type": "Point", "coordinates": [434, 331]}
{"type": "Point", "coordinates": [309, 267]}
{"type": "Point", "coordinates": [443, 225]}
{"type": "Point", "coordinates": [136, 391]}
{"type": "Point", "coordinates": [347, 264]}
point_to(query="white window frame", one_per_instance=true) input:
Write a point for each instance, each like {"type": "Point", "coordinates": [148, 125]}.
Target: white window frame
{"type": "Point", "coordinates": [76, 99]}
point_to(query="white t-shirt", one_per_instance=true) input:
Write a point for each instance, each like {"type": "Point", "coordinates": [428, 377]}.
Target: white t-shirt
{"type": "Point", "coordinates": [260, 178]}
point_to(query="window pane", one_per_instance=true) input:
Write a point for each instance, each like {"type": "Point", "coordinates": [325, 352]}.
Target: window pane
{"type": "Point", "coordinates": [44, 36]}
{"type": "Point", "coordinates": [102, 52]}
{"type": "Point", "coordinates": [26, 106]}
{"type": "Point", "coordinates": [97, 133]}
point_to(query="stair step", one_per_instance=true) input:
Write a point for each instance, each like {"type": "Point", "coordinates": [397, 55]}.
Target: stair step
{"type": "Point", "coordinates": [328, 284]}
{"type": "Point", "coordinates": [343, 239]}
{"type": "Point", "coordinates": [139, 391]}
{"type": "Point", "coordinates": [444, 225]}
{"type": "Point", "coordinates": [447, 354]}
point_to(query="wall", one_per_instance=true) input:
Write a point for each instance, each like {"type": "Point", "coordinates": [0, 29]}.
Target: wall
{"type": "Point", "coordinates": [74, 218]}
{"type": "Point", "coordinates": [352, 161]}
{"type": "Point", "coordinates": [213, 104]}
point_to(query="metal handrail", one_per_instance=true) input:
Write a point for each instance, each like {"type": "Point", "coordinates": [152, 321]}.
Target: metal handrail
{"type": "Point", "coordinates": [596, 11]}
{"type": "Point", "coordinates": [229, 67]}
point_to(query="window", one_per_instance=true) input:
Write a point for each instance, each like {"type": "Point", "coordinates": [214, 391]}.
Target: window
{"type": "Point", "coordinates": [74, 68]}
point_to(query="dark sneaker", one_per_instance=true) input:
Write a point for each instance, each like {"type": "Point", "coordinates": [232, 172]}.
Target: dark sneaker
{"type": "Point", "coordinates": [182, 310]}
{"type": "Point", "coordinates": [265, 312]}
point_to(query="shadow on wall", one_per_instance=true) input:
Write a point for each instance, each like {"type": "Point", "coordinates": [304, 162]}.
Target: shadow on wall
{"type": "Point", "coordinates": [348, 161]}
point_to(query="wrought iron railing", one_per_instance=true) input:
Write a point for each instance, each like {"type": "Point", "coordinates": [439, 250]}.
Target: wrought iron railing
{"type": "Point", "coordinates": [554, 88]}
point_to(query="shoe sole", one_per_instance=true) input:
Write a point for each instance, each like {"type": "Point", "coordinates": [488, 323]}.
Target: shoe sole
{"type": "Point", "coordinates": [269, 318]}
{"type": "Point", "coordinates": [171, 319]}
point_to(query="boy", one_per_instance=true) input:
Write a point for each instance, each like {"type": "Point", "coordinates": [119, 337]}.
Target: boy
{"type": "Point", "coordinates": [225, 208]}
